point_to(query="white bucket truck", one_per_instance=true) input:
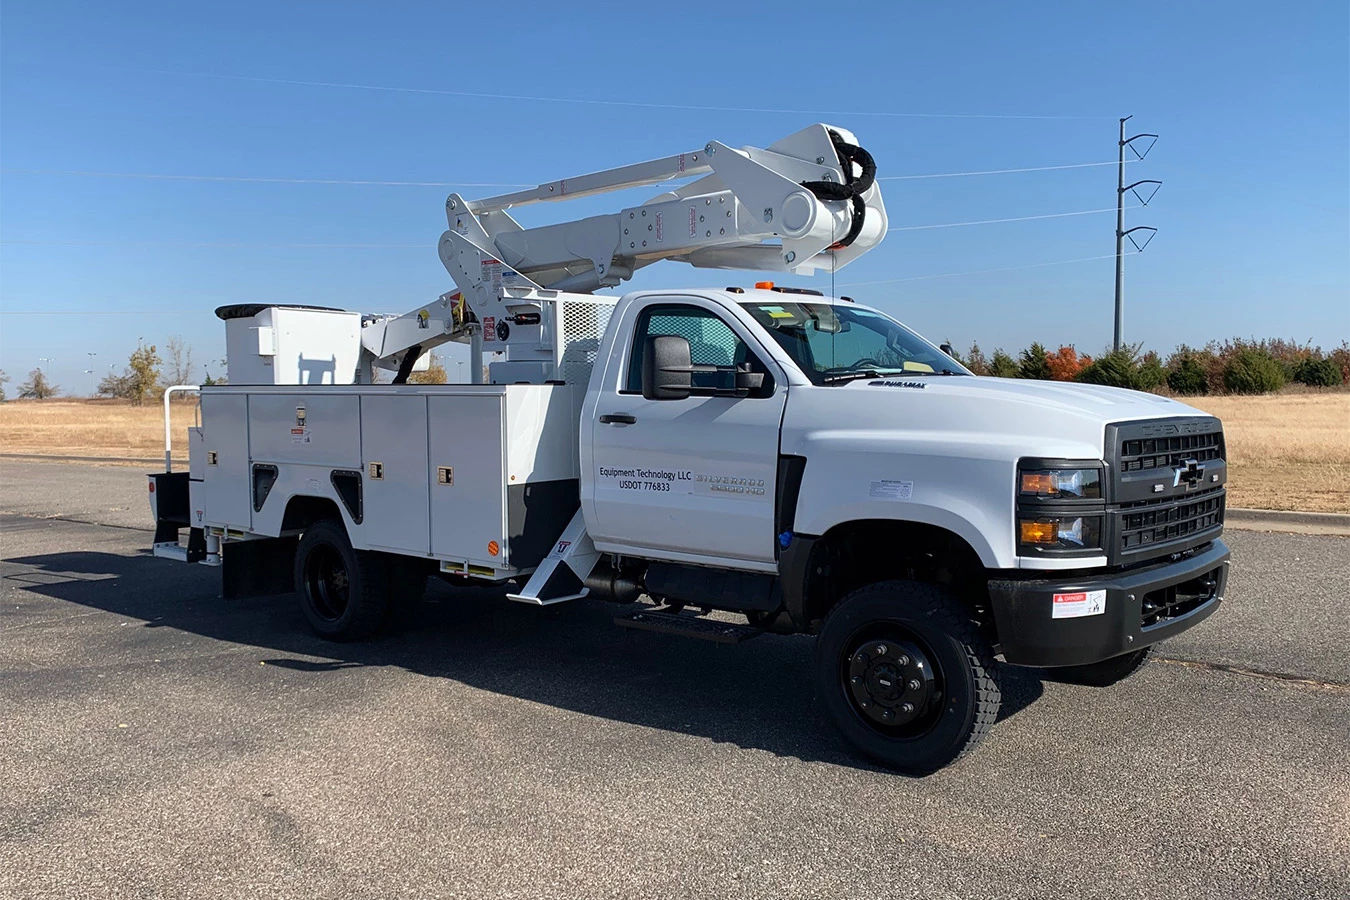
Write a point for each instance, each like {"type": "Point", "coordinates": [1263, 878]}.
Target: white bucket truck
{"type": "Point", "coordinates": [741, 461]}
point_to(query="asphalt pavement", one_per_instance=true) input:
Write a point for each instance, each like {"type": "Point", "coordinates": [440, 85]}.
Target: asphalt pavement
{"type": "Point", "coordinates": [158, 741]}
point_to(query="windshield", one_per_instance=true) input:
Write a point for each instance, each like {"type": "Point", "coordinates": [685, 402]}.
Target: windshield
{"type": "Point", "coordinates": [837, 343]}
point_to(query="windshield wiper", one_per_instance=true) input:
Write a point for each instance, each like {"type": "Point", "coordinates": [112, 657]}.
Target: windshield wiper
{"type": "Point", "coordinates": [853, 375]}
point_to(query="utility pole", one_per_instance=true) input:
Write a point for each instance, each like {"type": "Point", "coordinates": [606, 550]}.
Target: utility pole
{"type": "Point", "coordinates": [93, 382]}
{"type": "Point", "coordinates": [1121, 232]}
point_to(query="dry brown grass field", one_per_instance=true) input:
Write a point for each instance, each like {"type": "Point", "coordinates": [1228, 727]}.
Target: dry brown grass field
{"type": "Point", "coordinates": [1286, 451]}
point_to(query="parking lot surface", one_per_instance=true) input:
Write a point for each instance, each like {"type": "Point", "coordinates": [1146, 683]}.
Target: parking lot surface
{"type": "Point", "coordinates": [158, 741]}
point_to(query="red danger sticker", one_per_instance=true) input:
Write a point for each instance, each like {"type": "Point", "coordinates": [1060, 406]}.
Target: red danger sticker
{"type": "Point", "coordinates": [490, 328]}
{"type": "Point", "coordinates": [1081, 603]}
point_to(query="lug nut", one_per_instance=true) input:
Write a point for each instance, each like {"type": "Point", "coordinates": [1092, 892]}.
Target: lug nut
{"type": "Point", "coordinates": [881, 649]}
{"type": "Point", "coordinates": [913, 684]}
{"type": "Point", "coordinates": [855, 680]}
{"type": "Point", "coordinates": [907, 708]}
{"type": "Point", "coordinates": [888, 714]}
{"type": "Point", "coordinates": [902, 660]}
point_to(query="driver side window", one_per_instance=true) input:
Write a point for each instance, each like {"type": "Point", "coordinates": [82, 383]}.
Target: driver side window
{"type": "Point", "coordinates": [711, 343]}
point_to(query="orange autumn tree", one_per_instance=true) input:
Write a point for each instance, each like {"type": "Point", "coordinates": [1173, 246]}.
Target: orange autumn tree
{"type": "Point", "coordinates": [1065, 363]}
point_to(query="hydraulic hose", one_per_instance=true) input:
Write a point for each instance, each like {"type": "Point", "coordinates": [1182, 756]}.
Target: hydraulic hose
{"type": "Point", "coordinates": [853, 186]}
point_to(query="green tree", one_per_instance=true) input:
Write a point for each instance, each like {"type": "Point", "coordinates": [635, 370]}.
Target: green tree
{"type": "Point", "coordinates": [1150, 373]}
{"type": "Point", "coordinates": [37, 387]}
{"type": "Point", "coordinates": [1253, 371]}
{"type": "Point", "coordinates": [1188, 377]}
{"type": "Point", "coordinates": [1003, 365]}
{"type": "Point", "coordinates": [142, 373]}
{"type": "Point", "coordinates": [1034, 362]}
{"type": "Point", "coordinates": [1115, 369]}
{"type": "Point", "coordinates": [1317, 373]}
{"type": "Point", "coordinates": [4, 379]}
{"type": "Point", "coordinates": [976, 361]}
{"type": "Point", "coordinates": [435, 373]}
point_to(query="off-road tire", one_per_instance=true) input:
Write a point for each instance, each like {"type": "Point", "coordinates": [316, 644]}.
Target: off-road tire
{"type": "Point", "coordinates": [343, 592]}
{"type": "Point", "coordinates": [959, 714]}
{"type": "Point", "coordinates": [1104, 673]}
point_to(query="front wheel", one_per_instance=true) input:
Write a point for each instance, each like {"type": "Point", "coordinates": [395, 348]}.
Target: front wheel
{"type": "Point", "coordinates": [906, 676]}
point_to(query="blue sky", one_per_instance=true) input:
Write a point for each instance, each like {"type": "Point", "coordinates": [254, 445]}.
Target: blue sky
{"type": "Point", "coordinates": [1252, 102]}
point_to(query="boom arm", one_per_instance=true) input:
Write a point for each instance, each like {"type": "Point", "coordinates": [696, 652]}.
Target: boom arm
{"type": "Point", "coordinates": [806, 202]}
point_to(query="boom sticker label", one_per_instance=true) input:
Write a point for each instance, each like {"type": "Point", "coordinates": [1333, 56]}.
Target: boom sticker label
{"type": "Point", "coordinates": [891, 490]}
{"type": "Point", "coordinates": [1076, 605]}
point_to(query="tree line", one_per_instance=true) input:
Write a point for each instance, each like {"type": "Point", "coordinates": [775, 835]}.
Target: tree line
{"type": "Point", "coordinates": [147, 373]}
{"type": "Point", "coordinates": [1234, 366]}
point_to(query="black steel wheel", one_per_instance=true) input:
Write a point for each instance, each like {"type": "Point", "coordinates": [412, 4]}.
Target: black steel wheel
{"type": "Point", "coordinates": [906, 675]}
{"type": "Point", "coordinates": [343, 591]}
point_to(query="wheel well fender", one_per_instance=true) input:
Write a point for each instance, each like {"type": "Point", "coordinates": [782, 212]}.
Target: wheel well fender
{"type": "Point", "coordinates": [853, 554]}
{"type": "Point", "coordinates": [303, 511]}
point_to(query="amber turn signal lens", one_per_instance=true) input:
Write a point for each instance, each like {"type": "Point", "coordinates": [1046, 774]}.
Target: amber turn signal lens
{"type": "Point", "coordinates": [1039, 532]}
{"type": "Point", "coordinates": [493, 549]}
{"type": "Point", "coordinates": [763, 285]}
{"type": "Point", "coordinates": [1035, 483]}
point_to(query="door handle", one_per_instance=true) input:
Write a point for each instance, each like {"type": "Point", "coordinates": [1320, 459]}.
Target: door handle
{"type": "Point", "coordinates": [617, 419]}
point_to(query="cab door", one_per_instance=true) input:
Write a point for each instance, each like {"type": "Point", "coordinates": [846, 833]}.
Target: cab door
{"type": "Point", "coordinates": [690, 479]}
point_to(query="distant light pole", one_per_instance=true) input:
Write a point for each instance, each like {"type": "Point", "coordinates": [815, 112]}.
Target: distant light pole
{"type": "Point", "coordinates": [93, 383]}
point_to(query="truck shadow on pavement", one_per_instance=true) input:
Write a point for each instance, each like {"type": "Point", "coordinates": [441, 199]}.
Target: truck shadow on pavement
{"type": "Point", "coordinates": [757, 695]}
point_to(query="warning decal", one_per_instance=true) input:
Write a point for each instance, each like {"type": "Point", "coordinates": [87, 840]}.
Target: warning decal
{"type": "Point", "coordinates": [489, 328]}
{"type": "Point", "coordinates": [1082, 603]}
{"type": "Point", "coordinates": [891, 490]}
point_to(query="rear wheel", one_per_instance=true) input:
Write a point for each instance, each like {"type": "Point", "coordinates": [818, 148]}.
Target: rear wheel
{"type": "Point", "coordinates": [906, 676]}
{"type": "Point", "coordinates": [343, 591]}
{"type": "Point", "coordinates": [1104, 673]}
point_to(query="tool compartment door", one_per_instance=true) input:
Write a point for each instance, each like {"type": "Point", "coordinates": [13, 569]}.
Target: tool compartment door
{"type": "Point", "coordinates": [466, 472]}
{"type": "Point", "coordinates": [394, 472]}
{"type": "Point", "coordinates": [225, 491]}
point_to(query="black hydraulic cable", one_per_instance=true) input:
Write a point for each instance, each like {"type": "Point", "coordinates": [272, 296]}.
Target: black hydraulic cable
{"type": "Point", "coordinates": [406, 366]}
{"type": "Point", "coordinates": [853, 186]}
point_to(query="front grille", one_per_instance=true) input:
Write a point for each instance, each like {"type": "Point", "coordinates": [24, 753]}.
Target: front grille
{"type": "Point", "coordinates": [1169, 452]}
{"type": "Point", "coordinates": [1161, 606]}
{"type": "Point", "coordinates": [1148, 523]}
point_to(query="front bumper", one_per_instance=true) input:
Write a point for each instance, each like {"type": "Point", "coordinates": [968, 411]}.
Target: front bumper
{"type": "Point", "coordinates": [1142, 606]}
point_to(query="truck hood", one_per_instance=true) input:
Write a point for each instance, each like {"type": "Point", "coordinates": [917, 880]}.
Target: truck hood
{"type": "Point", "coordinates": [1107, 404]}
{"type": "Point", "coordinates": [969, 416]}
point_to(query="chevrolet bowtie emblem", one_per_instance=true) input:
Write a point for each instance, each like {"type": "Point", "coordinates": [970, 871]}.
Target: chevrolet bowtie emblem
{"type": "Point", "coordinates": [1189, 473]}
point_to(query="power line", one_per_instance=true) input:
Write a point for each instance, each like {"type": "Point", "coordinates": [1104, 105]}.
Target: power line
{"type": "Point", "coordinates": [589, 101]}
{"type": "Point", "coordinates": [1058, 262]}
{"type": "Point", "coordinates": [1110, 162]}
{"type": "Point", "coordinates": [1079, 212]}
{"type": "Point", "coordinates": [372, 246]}
{"type": "Point", "coordinates": [160, 312]}
{"type": "Point", "coordinates": [254, 244]}
{"type": "Point", "coordinates": [260, 180]}
{"type": "Point", "coordinates": [486, 184]}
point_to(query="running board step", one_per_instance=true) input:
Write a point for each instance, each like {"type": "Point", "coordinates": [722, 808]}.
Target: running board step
{"type": "Point", "coordinates": [688, 626]}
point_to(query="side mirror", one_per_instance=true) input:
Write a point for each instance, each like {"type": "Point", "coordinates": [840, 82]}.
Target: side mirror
{"type": "Point", "coordinates": [666, 368]}
{"type": "Point", "coordinates": [947, 349]}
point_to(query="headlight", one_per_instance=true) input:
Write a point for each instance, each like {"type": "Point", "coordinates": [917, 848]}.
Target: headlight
{"type": "Point", "coordinates": [1060, 532]}
{"type": "Point", "coordinates": [1061, 484]}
